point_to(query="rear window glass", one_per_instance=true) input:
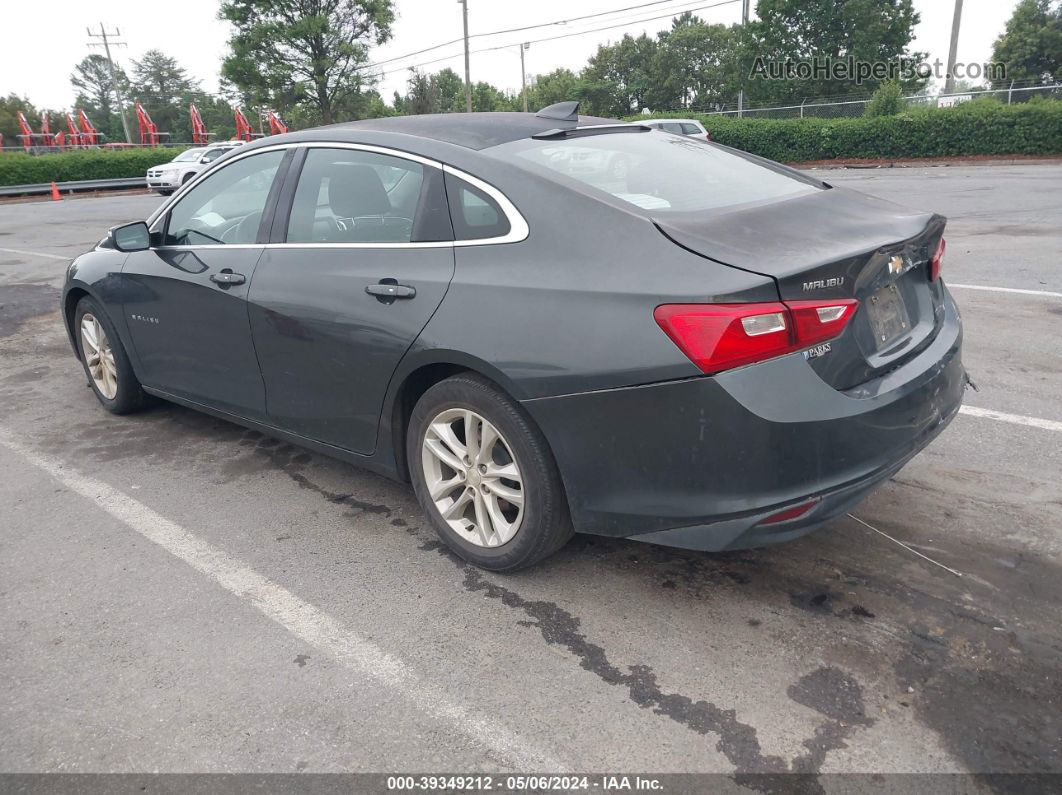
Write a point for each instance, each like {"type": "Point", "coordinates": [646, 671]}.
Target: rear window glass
{"type": "Point", "coordinates": [475, 215]}
{"type": "Point", "coordinates": [656, 172]}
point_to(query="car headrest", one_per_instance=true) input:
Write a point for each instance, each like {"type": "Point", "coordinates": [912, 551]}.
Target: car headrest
{"type": "Point", "coordinates": [355, 191]}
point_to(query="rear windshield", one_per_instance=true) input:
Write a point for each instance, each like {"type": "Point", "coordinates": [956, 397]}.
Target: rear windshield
{"type": "Point", "coordinates": [655, 171]}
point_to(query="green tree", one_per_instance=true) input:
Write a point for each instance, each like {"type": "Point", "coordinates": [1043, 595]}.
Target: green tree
{"type": "Point", "coordinates": [486, 97]}
{"type": "Point", "coordinates": [804, 30]}
{"type": "Point", "coordinates": [619, 76]}
{"type": "Point", "coordinates": [1031, 44]}
{"type": "Point", "coordinates": [164, 88]}
{"type": "Point", "coordinates": [422, 94]}
{"type": "Point", "coordinates": [95, 94]}
{"type": "Point", "coordinates": [559, 85]}
{"type": "Point", "coordinates": [887, 101]}
{"type": "Point", "coordinates": [696, 65]}
{"type": "Point", "coordinates": [92, 79]}
{"type": "Point", "coordinates": [160, 78]}
{"type": "Point", "coordinates": [314, 51]}
{"type": "Point", "coordinates": [9, 108]}
{"type": "Point", "coordinates": [451, 91]}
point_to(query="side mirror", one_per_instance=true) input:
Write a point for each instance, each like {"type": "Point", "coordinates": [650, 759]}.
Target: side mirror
{"type": "Point", "coordinates": [131, 237]}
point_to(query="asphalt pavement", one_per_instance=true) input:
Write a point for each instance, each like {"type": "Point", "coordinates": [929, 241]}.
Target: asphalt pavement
{"type": "Point", "coordinates": [184, 595]}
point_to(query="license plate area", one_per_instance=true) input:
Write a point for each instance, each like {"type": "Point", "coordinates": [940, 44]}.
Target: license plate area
{"type": "Point", "coordinates": [888, 316]}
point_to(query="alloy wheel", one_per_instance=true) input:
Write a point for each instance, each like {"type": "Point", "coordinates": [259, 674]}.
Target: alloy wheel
{"type": "Point", "coordinates": [472, 477]}
{"type": "Point", "coordinates": [99, 357]}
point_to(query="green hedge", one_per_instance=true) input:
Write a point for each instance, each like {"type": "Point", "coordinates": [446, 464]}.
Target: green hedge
{"type": "Point", "coordinates": [982, 127]}
{"type": "Point", "coordinates": [23, 169]}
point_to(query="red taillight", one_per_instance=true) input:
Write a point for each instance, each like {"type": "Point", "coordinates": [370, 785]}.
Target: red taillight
{"type": "Point", "coordinates": [719, 337]}
{"type": "Point", "coordinates": [789, 514]}
{"type": "Point", "coordinates": [819, 321]}
{"type": "Point", "coordinates": [937, 261]}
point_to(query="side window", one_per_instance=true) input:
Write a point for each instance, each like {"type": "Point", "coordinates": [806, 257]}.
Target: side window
{"type": "Point", "coordinates": [351, 196]}
{"type": "Point", "coordinates": [690, 129]}
{"type": "Point", "coordinates": [475, 215]}
{"type": "Point", "coordinates": [672, 127]}
{"type": "Point", "coordinates": [227, 206]}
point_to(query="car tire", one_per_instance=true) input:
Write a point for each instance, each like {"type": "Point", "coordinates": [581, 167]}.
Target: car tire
{"type": "Point", "coordinates": [187, 177]}
{"type": "Point", "coordinates": [165, 192]}
{"type": "Point", "coordinates": [111, 377]}
{"type": "Point", "coordinates": [542, 520]}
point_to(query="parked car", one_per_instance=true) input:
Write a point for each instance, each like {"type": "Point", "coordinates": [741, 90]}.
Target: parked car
{"type": "Point", "coordinates": [168, 177]}
{"type": "Point", "coordinates": [713, 352]}
{"type": "Point", "coordinates": [688, 127]}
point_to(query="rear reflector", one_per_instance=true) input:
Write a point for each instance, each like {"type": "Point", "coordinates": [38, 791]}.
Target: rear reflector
{"type": "Point", "coordinates": [718, 337]}
{"type": "Point", "coordinates": [790, 513]}
{"type": "Point", "coordinates": [937, 261]}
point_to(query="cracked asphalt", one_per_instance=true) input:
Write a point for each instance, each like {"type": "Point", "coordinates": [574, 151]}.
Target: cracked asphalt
{"type": "Point", "coordinates": [840, 652]}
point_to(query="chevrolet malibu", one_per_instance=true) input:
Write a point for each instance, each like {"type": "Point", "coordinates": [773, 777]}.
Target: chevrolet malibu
{"type": "Point", "coordinates": [706, 350]}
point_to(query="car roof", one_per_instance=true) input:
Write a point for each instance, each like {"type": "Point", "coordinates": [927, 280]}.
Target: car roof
{"type": "Point", "coordinates": [470, 130]}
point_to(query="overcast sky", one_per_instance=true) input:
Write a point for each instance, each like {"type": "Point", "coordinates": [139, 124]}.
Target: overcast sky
{"type": "Point", "coordinates": [42, 42]}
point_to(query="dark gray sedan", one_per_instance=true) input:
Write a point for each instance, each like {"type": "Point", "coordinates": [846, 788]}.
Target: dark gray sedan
{"type": "Point", "coordinates": [547, 323]}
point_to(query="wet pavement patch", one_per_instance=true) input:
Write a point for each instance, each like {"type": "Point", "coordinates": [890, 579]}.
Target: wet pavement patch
{"type": "Point", "coordinates": [20, 302]}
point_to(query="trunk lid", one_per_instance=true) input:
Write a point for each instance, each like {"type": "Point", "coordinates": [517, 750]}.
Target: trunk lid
{"type": "Point", "coordinates": [835, 243]}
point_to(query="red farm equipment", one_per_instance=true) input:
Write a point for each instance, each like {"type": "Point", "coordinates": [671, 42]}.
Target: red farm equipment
{"type": "Point", "coordinates": [30, 139]}
{"type": "Point", "coordinates": [149, 131]}
{"type": "Point", "coordinates": [276, 124]}
{"type": "Point", "coordinates": [89, 134]}
{"type": "Point", "coordinates": [200, 136]}
{"type": "Point", "coordinates": [244, 130]}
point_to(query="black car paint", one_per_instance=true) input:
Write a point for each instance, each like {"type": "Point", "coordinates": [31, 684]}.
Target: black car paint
{"type": "Point", "coordinates": [562, 321]}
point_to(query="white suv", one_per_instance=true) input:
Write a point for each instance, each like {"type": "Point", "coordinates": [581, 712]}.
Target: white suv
{"type": "Point", "coordinates": [688, 127]}
{"type": "Point", "coordinates": [168, 177]}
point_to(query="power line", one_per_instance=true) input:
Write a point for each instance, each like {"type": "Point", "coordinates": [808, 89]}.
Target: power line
{"type": "Point", "coordinates": [519, 30]}
{"type": "Point", "coordinates": [559, 36]}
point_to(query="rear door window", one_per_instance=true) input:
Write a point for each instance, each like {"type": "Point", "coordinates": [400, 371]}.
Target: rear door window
{"type": "Point", "coordinates": [356, 196]}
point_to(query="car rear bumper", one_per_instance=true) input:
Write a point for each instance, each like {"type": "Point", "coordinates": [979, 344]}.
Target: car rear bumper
{"type": "Point", "coordinates": [700, 463]}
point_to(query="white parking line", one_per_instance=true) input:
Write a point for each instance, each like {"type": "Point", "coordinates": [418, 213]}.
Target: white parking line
{"type": "Point", "coordinates": [34, 254]}
{"type": "Point", "coordinates": [297, 616]}
{"type": "Point", "coordinates": [1044, 293]}
{"type": "Point", "coordinates": [1014, 419]}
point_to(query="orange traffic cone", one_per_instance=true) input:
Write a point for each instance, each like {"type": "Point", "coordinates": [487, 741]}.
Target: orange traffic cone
{"type": "Point", "coordinates": [55, 192]}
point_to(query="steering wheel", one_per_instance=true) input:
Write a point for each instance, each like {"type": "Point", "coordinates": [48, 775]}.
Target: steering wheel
{"type": "Point", "coordinates": [243, 231]}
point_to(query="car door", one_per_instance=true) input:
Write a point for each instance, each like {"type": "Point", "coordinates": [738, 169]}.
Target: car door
{"type": "Point", "coordinates": [186, 299]}
{"type": "Point", "coordinates": [363, 259]}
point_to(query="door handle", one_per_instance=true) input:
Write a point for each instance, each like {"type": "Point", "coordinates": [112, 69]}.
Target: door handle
{"type": "Point", "coordinates": [390, 290]}
{"type": "Point", "coordinates": [227, 278]}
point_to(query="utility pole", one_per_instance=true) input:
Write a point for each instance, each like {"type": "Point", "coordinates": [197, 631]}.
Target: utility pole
{"type": "Point", "coordinates": [114, 76]}
{"type": "Point", "coordinates": [744, 24]}
{"type": "Point", "coordinates": [468, 79]}
{"type": "Point", "coordinates": [956, 21]}
{"type": "Point", "coordinates": [523, 74]}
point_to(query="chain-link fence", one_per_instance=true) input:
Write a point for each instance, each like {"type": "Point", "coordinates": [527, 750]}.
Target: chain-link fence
{"type": "Point", "coordinates": [853, 107]}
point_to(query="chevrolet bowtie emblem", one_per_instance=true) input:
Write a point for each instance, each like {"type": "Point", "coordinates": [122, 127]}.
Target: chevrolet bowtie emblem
{"type": "Point", "coordinates": [896, 265]}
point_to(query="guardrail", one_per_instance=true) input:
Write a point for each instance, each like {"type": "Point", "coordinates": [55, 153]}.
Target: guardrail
{"type": "Point", "coordinates": [45, 188]}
